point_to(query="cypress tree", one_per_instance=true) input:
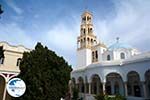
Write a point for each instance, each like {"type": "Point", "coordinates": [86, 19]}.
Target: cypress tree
{"type": "Point", "coordinates": [46, 74]}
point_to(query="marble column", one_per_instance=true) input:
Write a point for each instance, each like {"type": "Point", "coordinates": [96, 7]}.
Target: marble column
{"type": "Point", "coordinates": [4, 94]}
{"type": "Point", "coordinates": [125, 89]}
{"type": "Point", "coordinates": [89, 88]}
{"type": "Point", "coordinates": [104, 89]}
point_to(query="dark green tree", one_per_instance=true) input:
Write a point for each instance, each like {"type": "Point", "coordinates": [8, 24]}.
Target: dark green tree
{"type": "Point", "coordinates": [46, 75]}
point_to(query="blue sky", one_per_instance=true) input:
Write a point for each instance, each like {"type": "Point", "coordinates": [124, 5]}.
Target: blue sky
{"type": "Point", "coordinates": [56, 23]}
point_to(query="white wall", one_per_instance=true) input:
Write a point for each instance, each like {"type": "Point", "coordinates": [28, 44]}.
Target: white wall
{"type": "Point", "coordinates": [115, 54]}
{"type": "Point", "coordinates": [104, 55]}
{"type": "Point", "coordinates": [11, 54]}
{"type": "Point", "coordinates": [101, 50]}
{"type": "Point", "coordinates": [83, 57]}
{"type": "Point", "coordinates": [122, 70]}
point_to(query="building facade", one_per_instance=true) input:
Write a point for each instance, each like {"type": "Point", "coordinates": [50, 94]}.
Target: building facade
{"type": "Point", "coordinates": [9, 65]}
{"type": "Point", "coordinates": [116, 69]}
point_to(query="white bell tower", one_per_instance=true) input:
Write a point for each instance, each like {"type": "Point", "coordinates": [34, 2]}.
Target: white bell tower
{"type": "Point", "coordinates": [85, 41]}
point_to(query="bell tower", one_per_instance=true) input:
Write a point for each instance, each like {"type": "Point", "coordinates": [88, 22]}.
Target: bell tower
{"type": "Point", "coordinates": [86, 40]}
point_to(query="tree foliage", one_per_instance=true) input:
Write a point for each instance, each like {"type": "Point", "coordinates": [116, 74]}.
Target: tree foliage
{"type": "Point", "coordinates": [46, 75]}
{"type": "Point", "coordinates": [107, 97]}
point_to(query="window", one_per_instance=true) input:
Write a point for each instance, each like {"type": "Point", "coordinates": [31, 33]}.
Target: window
{"type": "Point", "coordinates": [108, 57]}
{"type": "Point", "coordinates": [18, 61]}
{"type": "Point", "coordinates": [84, 40]}
{"type": "Point", "coordinates": [81, 30]}
{"type": "Point", "coordinates": [96, 55]}
{"type": "Point", "coordinates": [88, 40]}
{"type": "Point", "coordinates": [1, 55]}
{"type": "Point", "coordinates": [84, 19]}
{"type": "Point", "coordinates": [93, 56]}
{"type": "Point", "coordinates": [2, 60]}
{"type": "Point", "coordinates": [90, 30]}
{"type": "Point", "coordinates": [122, 56]}
{"type": "Point", "coordinates": [84, 31]}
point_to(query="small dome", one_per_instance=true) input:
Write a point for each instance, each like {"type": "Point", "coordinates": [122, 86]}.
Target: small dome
{"type": "Point", "coordinates": [119, 45]}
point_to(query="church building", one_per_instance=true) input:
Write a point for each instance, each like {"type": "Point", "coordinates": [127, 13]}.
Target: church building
{"type": "Point", "coordinates": [9, 65]}
{"type": "Point", "coordinates": [115, 69]}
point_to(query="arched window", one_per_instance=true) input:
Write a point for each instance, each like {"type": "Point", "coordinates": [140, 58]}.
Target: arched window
{"type": "Point", "coordinates": [88, 40]}
{"type": "Point", "coordinates": [134, 84]}
{"type": "Point", "coordinates": [81, 30]}
{"type": "Point", "coordinates": [95, 42]}
{"type": "Point", "coordinates": [108, 57]}
{"type": "Point", "coordinates": [2, 60]}
{"type": "Point", "coordinates": [1, 55]}
{"type": "Point", "coordinates": [93, 56]}
{"type": "Point", "coordinates": [18, 62]}
{"type": "Point", "coordinates": [122, 55]}
{"type": "Point", "coordinates": [91, 41]}
{"type": "Point", "coordinates": [116, 88]}
{"type": "Point", "coordinates": [84, 31]}
{"type": "Point", "coordinates": [90, 30]}
{"type": "Point", "coordinates": [84, 18]}
{"type": "Point", "coordinates": [88, 18]}
{"type": "Point", "coordinates": [81, 84]}
{"type": "Point", "coordinates": [96, 55]}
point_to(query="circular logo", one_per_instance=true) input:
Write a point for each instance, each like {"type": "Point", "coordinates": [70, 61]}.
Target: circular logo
{"type": "Point", "coordinates": [16, 87]}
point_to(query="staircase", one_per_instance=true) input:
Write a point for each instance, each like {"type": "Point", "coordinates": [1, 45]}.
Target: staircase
{"type": "Point", "coordinates": [136, 98]}
{"type": "Point", "coordinates": [86, 96]}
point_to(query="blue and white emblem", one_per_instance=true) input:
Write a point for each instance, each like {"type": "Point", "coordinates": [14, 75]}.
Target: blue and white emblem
{"type": "Point", "coordinates": [16, 87]}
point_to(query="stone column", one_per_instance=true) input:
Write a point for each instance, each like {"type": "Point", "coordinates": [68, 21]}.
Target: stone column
{"type": "Point", "coordinates": [89, 88]}
{"type": "Point", "coordinates": [4, 94]}
{"type": "Point", "coordinates": [144, 89]}
{"type": "Point", "coordinates": [125, 89]}
{"type": "Point", "coordinates": [104, 89]}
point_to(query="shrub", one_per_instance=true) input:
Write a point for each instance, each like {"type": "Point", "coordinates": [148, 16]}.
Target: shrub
{"type": "Point", "coordinates": [75, 94]}
{"type": "Point", "coordinates": [107, 97]}
{"type": "Point", "coordinates": [99, 97]}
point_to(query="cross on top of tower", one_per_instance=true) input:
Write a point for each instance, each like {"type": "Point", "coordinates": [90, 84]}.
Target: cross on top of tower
{"type": "Point", "coordinates": [86, 5]}
{"type": "Point", "coordinates": [117, 38]}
